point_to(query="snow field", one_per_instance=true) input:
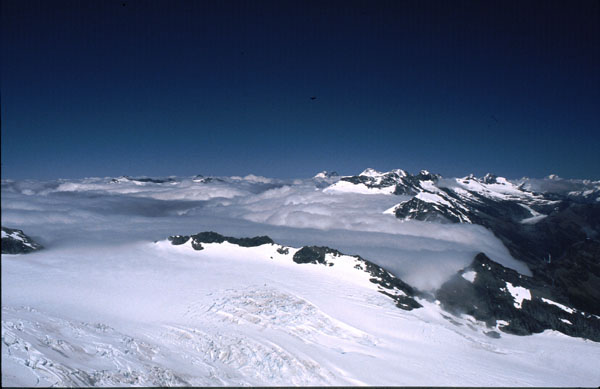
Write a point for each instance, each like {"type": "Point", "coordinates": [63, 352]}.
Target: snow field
{"type": "Point", "coordinates": [156, 314]}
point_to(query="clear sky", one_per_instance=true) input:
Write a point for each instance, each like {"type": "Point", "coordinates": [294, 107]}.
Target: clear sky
{"type": "Point", "coordinates": [109, 88]}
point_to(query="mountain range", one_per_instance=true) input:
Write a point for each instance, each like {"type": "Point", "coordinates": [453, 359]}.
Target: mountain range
{"type": "Point", "coordinates": [105, 304]}
{"type": "Point", "coordinates": [535, 226]}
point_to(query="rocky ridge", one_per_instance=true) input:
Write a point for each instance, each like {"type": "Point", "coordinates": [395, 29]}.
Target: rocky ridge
{"type": "Point", "coordinates": [388, 284]}
{"type": "Point", "coordinates": [503, 299]}
{"type": "Point", "coordinates": [16, 242]}
{"type": "Point", "coordinates": [512, 302]}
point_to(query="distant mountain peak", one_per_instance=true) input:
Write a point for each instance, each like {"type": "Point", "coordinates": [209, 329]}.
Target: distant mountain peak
{"type": "Point", "coordinates": [397, 181]}
{"type": "Point", "coordinates": [490, 178]}
{"type": "Point", "coordinates": [370, 172]}
{"type": "Point", "coordinates": [326, 174]}
{"type": "Point", "coordinates": [142, 180]}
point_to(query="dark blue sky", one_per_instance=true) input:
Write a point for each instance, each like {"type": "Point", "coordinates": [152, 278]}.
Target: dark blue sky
{"type": "Point", "coordinates": [98, 88]}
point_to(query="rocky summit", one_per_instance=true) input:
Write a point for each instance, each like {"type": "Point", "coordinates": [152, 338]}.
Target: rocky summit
{"type": "Point", "coordinates": [16, 242]}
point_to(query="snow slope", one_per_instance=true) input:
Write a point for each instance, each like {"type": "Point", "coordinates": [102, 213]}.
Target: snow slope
{"type": "Point", "coordinates": [155, 314]}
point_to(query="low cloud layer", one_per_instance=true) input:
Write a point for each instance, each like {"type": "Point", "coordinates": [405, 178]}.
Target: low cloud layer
{"type": "Point", "coordinates": [96, 212]}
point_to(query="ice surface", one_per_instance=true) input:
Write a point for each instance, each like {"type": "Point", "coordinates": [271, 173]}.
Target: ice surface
{"type": "Point", "coordinates": [105, 305]}
{"type": "Point", "coordinates": [154, 314]}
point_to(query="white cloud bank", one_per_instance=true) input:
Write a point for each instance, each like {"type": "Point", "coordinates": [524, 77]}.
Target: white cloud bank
{"type": "Point", "coordinates": [299, 212]}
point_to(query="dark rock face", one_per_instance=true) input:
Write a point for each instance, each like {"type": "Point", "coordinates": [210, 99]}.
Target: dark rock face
{"type": "Point", "coordinates": [213, 237]}
{"type": "Point", "coordinates": [577, 275]}
{"type": "Point", "coordinates": [143, 179]}
{"type": "Point", "coordinates": [181, 239]}
{"type": "Point", "coordinates": [206, 180]}
{"type": "Point", "coordinates": [388, 281]}
{"type": "Point", "coordinates": [488, 298]}
{"type": "Point", "coordinates": [560, 235]}
{"type": "Point", "coordinates": [567, 223]}
{"type": "Point", "coordinates": [283, 250]}
{"type": "Point", "coordinates": [152, 180]}
{"type": "Point", "coordinates": [314, 254]}
{"type": "Point", "coordinates": [16, 242]}
{"type": "Point", "coordinates": [178, 239]}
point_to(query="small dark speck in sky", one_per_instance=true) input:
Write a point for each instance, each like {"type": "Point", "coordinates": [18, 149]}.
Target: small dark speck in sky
{"type": "Point", "coordinates": [454, 87]}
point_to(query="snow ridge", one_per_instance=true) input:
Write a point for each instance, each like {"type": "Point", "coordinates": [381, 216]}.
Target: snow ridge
{"type": "Point", "coordinates": [347, 267]}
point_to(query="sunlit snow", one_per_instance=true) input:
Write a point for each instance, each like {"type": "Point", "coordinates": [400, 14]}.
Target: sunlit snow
{"type": "Point", "coordinates": [345, 186]}
{"type": "Point", "coordinates": [469, 275]}
{"type": "Point", "coordinates": [110, 302]}
{"type": "Point", "coordinates": [564, 308]}
{"type": "Point", "coordinates": [518, 293]}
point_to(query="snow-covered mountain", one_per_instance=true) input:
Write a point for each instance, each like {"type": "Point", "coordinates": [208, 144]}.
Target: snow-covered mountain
{"type": "Point", "coordinates": [470, 199]}
{"type": "Point", "coordinates": [532, 225]}
{"type": "Point", "coordinates": [396, 181]}
{"type": "Point", "coordinates": [379, 279]}
{"type": "Point", "coordinates": [449, 201]}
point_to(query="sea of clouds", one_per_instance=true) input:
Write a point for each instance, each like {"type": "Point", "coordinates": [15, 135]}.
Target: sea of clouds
{"type": "Point", "coordinates": [93, 213]}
